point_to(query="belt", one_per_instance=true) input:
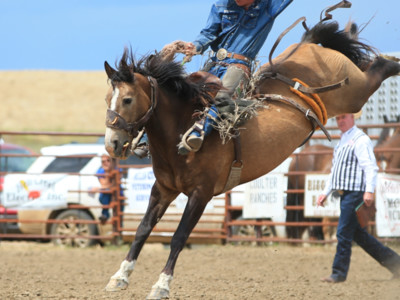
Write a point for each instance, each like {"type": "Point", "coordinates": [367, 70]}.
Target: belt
{"type": "Point", "coordinates": [223, 53]}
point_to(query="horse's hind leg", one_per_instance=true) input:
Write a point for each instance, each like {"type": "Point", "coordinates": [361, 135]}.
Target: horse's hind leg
{"type": "Point", "coordinates": [380, 70]}
{"type": "Point", "coordinates": [193, 211]}
{"type": "Point", "coordinates": [158, 204]}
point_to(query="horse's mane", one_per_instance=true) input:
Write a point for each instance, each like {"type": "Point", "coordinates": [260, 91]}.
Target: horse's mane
{"type": "Point", "coordinates": [170, 75]}
{"type": "Point", "coordinates": [329, 36]}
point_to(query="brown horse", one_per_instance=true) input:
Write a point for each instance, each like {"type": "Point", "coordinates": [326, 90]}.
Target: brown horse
{"type": "Point", "coordinates": [389, 161]}
{"type": "Point", "coordinates": [156, 94]}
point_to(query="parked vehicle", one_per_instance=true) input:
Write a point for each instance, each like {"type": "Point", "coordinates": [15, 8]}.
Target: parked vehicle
{"type": "Point", "coordinates": [68, 169]}
{"type": "Point", "coordinates": [11, 164]}
{"type": "Point", "coordinates": [71, 168]}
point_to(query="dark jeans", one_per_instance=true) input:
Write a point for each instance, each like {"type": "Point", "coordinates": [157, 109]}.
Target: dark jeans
{"type": "Point", "coordinates": [348, 230]}
{"type": "Point", "coordinates": [105, 199]}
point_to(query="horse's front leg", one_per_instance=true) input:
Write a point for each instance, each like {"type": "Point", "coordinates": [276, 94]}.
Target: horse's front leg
{"type": "Point", "coordinates": [193, 211]}
{"type": "Point", "coordinates": [160, 199]}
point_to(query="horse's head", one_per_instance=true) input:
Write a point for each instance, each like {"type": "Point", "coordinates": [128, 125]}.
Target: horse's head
{"type": "Point", "coordinates": [137, 87]}
{"type": "Point", "coordinates": [130, 100]}
{"type": "Point", "coordinates": [383, 161]}
{"type": "Point", "coordinates": [387, 156]}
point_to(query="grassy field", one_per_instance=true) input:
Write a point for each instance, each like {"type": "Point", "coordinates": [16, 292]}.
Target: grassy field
{"type": "Point", "coordinates": [52, 101]}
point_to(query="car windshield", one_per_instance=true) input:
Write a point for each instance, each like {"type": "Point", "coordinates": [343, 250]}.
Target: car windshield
{"type": "Point", "coordinates": [67, 165]}
{"type": "Point", "coordinates": [15, 164]}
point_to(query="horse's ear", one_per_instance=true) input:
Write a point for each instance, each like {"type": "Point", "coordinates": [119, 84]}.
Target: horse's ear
{"type": "Point", "coordinates": [109, 70]}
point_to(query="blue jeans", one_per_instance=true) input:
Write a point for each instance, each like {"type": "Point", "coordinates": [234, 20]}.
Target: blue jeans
{"type": "Point", "coordinates": [350, 230]}
{"type": "Point", "coordinates": [220, 70]}
{"type": "Point", "coordinates": [105, 199]}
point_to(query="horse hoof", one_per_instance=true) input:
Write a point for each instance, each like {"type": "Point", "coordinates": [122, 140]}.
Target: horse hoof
{"type": "Point", "coordinates": [115, 285]}
{"type": "Point", "coordinates": [158, 294]}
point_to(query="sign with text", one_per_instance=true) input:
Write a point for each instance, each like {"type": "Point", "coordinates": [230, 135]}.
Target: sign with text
{"type": "Point", "coordinates": [139, 184]}
{"type": "Point", "coordinates": [263, 197]}
{"type": "Point", "coordinates": [23, 189]}
{"type": "Point", "coordinates": [388, 205]}
{"type": "Point", "coordinates": [314, 186]}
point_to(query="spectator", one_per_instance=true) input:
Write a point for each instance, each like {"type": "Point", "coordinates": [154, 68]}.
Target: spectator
{"type": "Point", "coordinates": [353, 175]}
{"type": "Point", "coordinates": [106, 183]}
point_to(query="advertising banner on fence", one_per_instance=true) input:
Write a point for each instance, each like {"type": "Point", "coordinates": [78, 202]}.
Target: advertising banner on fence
{"type": "Point", "coordinates": [139, 184]}
{"type": "Point", "coordinates": [387, 199]}
{"type": "Point", "coordinates": [314, 186]}
{"type": "Point", "coordinates": [264, 197]}
{"type": "Point", "coordinates": [46, 190]}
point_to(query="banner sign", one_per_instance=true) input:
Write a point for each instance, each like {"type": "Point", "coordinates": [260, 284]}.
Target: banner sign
{"type": "Point", "coordinates": [387, 200]}
{"type": "Point", "coordinates": [314, 186]}
{"type": "Point", "coordinates": [139, 184]}
{"type": "Point", "coordinates": [264, 196]}
{"type": "Point", "coordinates": [47, 190]}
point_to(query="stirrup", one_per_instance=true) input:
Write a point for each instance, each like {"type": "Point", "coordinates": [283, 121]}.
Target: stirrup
{"type": "Point", "coordinates": [191, 143]}
{"type": "Point", "coordinates": [141, 151]}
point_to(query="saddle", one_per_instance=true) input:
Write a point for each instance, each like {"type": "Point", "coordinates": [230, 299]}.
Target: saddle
{"type": "Point", "coordinates": [207, 78]}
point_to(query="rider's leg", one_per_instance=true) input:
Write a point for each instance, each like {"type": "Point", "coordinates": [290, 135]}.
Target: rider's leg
{"type": "Point", "coordinates": [234, 77]}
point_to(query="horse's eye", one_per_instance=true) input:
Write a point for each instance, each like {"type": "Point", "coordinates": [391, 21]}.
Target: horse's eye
{"type": "Point", "coordinates": [127, 101]}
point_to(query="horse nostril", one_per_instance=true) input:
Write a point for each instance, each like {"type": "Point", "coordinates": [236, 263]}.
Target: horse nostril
{"type": "Point", "coordinates": [115, 143]}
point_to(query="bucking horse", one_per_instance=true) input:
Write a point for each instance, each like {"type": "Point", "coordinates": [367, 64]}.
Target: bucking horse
{"type": "Point", "coordinates": [338, 73]}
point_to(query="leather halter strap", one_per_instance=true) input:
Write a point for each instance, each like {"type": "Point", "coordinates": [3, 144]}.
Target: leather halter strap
{"type": "Point", "coordinates": [115, 121]}
{"type": "Point", "coordinates": [296, 85]}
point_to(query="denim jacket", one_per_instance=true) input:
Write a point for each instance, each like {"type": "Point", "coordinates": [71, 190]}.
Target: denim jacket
{"type": "Point", "coordinates": [238, 30]}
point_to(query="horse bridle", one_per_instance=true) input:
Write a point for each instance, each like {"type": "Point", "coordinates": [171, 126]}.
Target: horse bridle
{"type": "Point", "coordinates": [115, 121]}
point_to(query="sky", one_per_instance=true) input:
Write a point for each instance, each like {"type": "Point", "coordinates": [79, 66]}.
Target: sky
{"type": "Point", "coordinates": [82, 34]}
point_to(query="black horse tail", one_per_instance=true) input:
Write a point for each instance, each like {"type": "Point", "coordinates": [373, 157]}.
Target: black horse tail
{"type": "Point", "coordinates": [345, 41]}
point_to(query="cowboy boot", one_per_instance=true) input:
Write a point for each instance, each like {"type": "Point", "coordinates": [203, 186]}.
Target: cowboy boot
{"type": "Point", "coordinates": [193, 139]}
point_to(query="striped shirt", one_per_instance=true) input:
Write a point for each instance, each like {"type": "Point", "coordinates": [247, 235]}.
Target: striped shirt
{"type": "Point", "coordinates": [353, 166]}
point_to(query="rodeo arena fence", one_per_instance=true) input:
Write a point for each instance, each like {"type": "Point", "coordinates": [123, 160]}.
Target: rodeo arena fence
{"type": "Point", "coordinates": [55, 199]}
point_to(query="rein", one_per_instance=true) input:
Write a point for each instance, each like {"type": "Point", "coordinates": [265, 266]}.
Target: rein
{"type": "Point", "coordinates": [115, 121]}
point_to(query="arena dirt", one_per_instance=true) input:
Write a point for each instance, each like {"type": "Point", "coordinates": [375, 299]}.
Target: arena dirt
{"type": "Point", "coordinates": [30, 270]}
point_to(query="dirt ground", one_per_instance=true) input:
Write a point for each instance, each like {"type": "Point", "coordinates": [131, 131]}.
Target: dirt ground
{"type": "Point", "coordinates": [42, 271]}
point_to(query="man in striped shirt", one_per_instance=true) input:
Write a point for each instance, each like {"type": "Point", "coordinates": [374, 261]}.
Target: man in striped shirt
{"type": "Point", "coordinates": [353, 174]}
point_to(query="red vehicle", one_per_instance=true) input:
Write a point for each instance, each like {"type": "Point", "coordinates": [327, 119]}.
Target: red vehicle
{"type": "Point", "coordinates": [11, 164]}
